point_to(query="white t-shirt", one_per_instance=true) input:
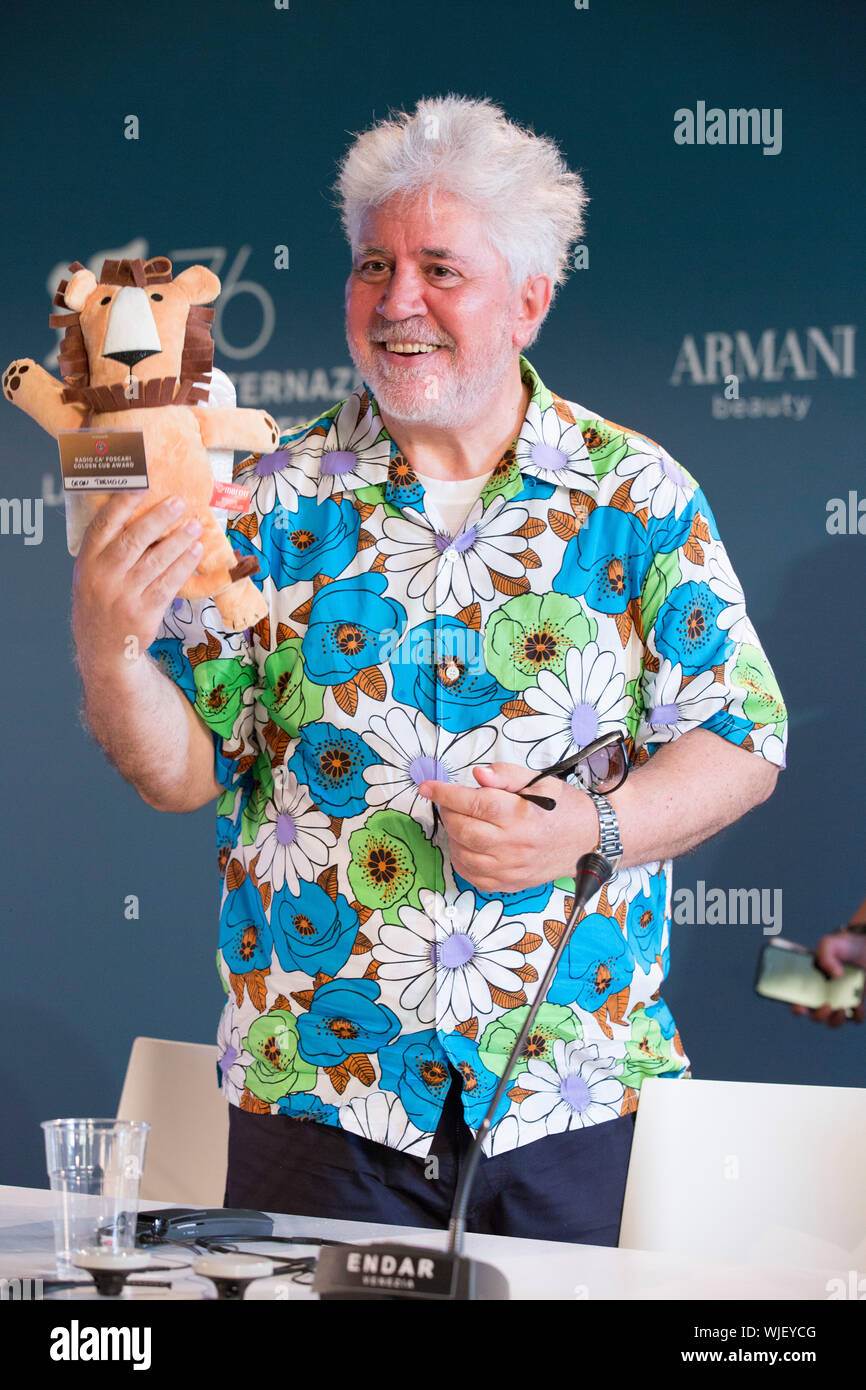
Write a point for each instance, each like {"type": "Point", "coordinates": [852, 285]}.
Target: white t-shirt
{"type": "Point", "coordinates": [448, 502]}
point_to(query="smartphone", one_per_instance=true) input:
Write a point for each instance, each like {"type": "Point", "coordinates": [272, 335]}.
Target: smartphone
{"type": "Point", "coordinates": [787, 972]}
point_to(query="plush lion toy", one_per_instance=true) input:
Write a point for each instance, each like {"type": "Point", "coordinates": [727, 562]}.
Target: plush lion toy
{"type": "Point", "coordinates": [137, 319]}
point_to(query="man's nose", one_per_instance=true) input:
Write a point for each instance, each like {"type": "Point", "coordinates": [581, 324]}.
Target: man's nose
{"type": "Point", "coordinates": [403, 297]}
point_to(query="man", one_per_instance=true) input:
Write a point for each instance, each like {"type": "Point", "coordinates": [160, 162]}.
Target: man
{"type": "Point", "coordinates": [388, 902]}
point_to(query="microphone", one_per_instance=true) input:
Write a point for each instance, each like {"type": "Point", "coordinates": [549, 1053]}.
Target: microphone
{"type": "Point", "coordinates": [395, 1271]}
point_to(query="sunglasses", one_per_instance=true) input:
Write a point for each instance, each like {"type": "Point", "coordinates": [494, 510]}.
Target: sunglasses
{"type": "Point", "coordinates": [601, 766]}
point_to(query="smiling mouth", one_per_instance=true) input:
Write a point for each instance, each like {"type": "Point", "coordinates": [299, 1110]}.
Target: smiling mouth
{"type": "Point", "coordinates": [403, 351]}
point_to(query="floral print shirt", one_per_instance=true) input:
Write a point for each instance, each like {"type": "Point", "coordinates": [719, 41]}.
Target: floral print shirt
{"type": "Point", "coordinates": [588, 590]}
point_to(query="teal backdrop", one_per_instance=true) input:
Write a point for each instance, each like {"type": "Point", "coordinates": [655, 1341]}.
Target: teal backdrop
{"type": "Point", "coordinates": [701, 257]}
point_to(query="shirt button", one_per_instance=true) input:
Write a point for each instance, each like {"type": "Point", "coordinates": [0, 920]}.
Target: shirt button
{"type": "Point", "coordinates": [452, 672]}
{"type": "Point", "coordinates": [449, 912]}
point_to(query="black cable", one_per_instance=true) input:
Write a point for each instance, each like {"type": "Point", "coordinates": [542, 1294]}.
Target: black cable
{"type": "Point", "coordinates": [215, 1245]}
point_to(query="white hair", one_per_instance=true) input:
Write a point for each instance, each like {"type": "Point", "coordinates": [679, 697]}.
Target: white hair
{"type": "Point", "coordinates": [531, 203]}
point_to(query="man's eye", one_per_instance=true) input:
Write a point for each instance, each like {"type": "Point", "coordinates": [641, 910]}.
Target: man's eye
{"type": "Point", "coordinates": [438, 272]}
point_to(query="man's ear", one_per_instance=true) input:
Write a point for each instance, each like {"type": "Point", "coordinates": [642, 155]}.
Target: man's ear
{"type": "Point", "coordinates": [535, 301]}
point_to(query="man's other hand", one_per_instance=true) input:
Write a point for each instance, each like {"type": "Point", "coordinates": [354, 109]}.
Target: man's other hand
{"type": "Point", "coordinates": [831, 954]}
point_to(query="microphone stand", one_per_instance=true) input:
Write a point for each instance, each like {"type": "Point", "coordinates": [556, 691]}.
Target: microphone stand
{"type": "Point", "coordinates": [393, 1271]}
{"type": "Point", "coordinates": [593, 871]}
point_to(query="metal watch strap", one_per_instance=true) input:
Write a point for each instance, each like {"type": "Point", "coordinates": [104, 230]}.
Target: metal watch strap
{"type": "Point", "coordinates": [609, 843]}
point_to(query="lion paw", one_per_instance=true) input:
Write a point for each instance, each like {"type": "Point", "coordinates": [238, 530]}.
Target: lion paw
{"type": "Point", "coordinates": [241, 605]}
{"type": "Point", "coordinates": [12, 377]}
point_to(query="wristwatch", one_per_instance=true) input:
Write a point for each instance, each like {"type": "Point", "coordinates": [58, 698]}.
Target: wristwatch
{"type": "Point", "coordinates": [610, 845]}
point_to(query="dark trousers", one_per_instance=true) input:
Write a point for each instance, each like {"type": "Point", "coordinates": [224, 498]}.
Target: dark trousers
{"type": "Point", "coordinates": [566, 1186]}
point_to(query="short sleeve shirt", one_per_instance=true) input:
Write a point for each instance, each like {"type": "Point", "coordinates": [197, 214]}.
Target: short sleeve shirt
{"type": "Point", "coordinates": [588, 590]}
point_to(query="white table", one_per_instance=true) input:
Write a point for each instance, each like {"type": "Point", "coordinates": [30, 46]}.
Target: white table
{"type": "Point", "coordinates": [535, 1269]}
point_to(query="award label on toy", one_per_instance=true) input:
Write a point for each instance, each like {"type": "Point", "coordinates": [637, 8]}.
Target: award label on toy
{"type": "Point", "coordinates": [233, 496]}
{"type": "Point", "coordinates": [102, 459]}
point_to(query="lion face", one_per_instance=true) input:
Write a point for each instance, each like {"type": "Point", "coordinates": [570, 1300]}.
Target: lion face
{"type": "Point", "coordinates": [131, 331]}
{"type": "Point", "coordinates": [137, 322]}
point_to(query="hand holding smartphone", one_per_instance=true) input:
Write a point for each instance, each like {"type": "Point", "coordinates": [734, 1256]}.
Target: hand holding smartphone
{"type": "Point", "coordinates": [787, 972]}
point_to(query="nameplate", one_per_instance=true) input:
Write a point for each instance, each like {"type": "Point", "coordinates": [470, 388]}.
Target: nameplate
{"type": "Point", "coordinates": [102, 460]}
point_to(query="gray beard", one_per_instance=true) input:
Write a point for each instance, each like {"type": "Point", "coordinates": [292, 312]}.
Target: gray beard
{"type": "Point", "coordinates": [460, 404]}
